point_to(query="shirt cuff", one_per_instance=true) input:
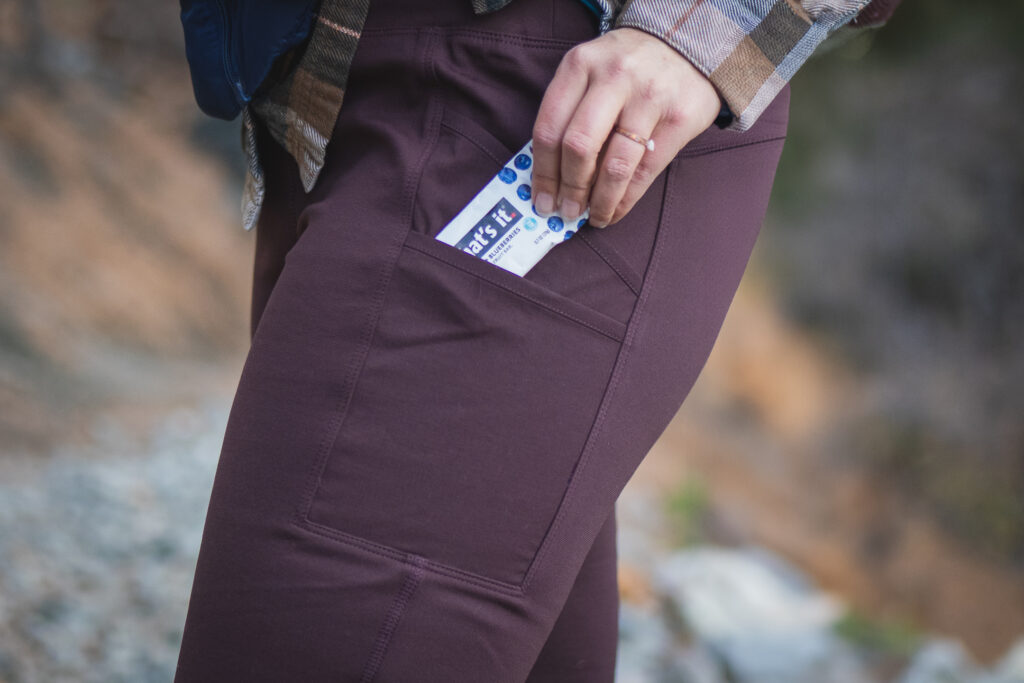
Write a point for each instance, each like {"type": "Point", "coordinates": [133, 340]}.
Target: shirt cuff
{"type": "Point", "coordinates": [876, 14]}
{"type": "Point", "coordinates": [747, 54]}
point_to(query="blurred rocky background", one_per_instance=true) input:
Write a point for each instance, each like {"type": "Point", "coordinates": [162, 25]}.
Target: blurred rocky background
{"type": "Point", "coordinates": [841, 498]}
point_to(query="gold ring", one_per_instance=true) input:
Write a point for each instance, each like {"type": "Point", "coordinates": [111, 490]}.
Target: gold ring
{"type": "Point", "coordinates": [649, 144]}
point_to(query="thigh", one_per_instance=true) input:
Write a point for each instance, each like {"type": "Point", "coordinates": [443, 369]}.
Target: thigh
{"type": "Point", "coordinates": [370, 518]}
{"type": "Point", "coordinates": [582, 646]}
{"type": "Point", "coordinates": [424, 448]}
{"type": "Point", "coordinates": [583, 643]}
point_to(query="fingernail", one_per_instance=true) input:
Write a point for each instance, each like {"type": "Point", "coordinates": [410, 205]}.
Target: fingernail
{"type": "Point", "coordinates": [597, 223]}
{"type": "Point", "coordinates": [570, 209]}
{"type": "Point", "coordinates": [545, 203]}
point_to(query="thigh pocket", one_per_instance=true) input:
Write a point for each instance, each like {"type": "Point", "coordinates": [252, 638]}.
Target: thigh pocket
{"type": "Point", "coordinates": [471, 410]}
{"type": "Point", "coordinates": [477, 394]}
{"type": "Point", "coordinates": [466, 156]}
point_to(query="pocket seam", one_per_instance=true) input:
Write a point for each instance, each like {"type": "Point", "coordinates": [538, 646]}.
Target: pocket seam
{"type": "Point", "coordinates": [711, 148]}
{"type": "Point", "coordinates": [393, 553]}
{"type": "Point", "coordinates": [354, 370]}
{"type": "Point", "coordinates": [622, 360]}
{"type": "Point", "coordinates": [432, 247]}
{"type": "Point", "coordinates": [615, 262]}
{"type": "Point", "coordinates": [528, 41]}
{"type": "Point", "coordinates": [463, 125]}
{"type": "Point", "coordinates": [541, 42]}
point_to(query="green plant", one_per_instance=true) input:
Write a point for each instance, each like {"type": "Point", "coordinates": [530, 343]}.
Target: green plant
{"type": "Point", "coordinates": [687, 508]}
{"type": "Point", "coordinates": [893, 637]}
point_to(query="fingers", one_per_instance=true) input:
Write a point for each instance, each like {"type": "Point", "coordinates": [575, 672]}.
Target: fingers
{"type": "Point", "coordinates": [627, 169]}
{"type": "Point", "coordinates": [560, 101]}
{"type": "Point", "coordinates": [583, 141]}
{"type": "Point", "coordinates": [627, 77]}
{"type": "Point", "coordinates": [622, 159]}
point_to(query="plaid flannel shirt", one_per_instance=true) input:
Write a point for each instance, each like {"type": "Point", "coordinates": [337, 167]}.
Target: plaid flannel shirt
{"type": "Point", "coordinates": [748, 49]}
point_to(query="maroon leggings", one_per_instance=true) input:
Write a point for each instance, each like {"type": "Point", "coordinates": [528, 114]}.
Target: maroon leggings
{"type": "Point", "coordinates": [418, 478]}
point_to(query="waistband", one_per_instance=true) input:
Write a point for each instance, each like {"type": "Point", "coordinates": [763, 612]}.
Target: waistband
{"type": "Point", "coordinates": [561, 19]}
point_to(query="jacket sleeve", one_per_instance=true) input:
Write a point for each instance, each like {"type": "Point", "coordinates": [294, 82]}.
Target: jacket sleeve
{"type": "Point", "coordinates": [749, 49]}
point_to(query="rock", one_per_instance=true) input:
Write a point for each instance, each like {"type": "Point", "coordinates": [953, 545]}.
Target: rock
{"type": "Point", "coordinates": [942, 660]}
{"type": "Point", "coordinates": [723, 593]}
{"type": "Point", "coordinates": [97, 552]}
{"type": "Point", "coordinates": [762, 617]}
{"type": "Point", "coordinates": [695, 664]}
{"type": "Point", "coordinates": [644, 641]}
{"type": "Point", "coordinates": [1011, 666]}
{"type": "Point", "coordinates": [812, 656]}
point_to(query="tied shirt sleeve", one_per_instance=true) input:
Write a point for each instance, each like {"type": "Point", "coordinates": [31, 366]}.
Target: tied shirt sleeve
{"type": "Point", "coordinates": [749, 49]}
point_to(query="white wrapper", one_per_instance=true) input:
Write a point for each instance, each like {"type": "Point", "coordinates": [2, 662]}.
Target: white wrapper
{"type": "Point", "coordinates": [501, 225]}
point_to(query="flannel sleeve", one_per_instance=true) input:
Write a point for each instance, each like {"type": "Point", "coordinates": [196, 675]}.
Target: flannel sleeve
{"type": "Point", "coordinates": [749, 49]}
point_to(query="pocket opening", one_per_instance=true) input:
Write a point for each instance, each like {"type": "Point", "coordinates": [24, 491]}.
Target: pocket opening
{"type": "Point", "coordinates": [574, 273]}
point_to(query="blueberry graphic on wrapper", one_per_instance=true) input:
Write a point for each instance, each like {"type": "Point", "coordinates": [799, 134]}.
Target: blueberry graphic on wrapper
{"type": "Point", "coordinates": [507, 175]}
{"type": "Point", "coordinates": [555, 223]}
{"type": "Point", "coordinates": [523, 161]}
{"type": "Point", "coordinates": [580, 222]}
{"type": "Point", "coordinates": [568, 234]}
{"type": "Point", "coordinates": [523, 191]}
{"type": "Point", "coordinates": [530, 223]}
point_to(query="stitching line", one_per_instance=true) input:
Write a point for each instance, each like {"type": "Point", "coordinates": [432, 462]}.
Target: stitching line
{"type": "Point", "coordinates": [355, 367]}
{"type": "Point", "coordinates": [511, 290]}
{"type": "Point", "coordinates": [626, 280]}
{"type": "Point", "coordinates": [393, 553]}
{"type": "Point", "coordinates": [613, 384]}
{"type": "Point", "coordinates": [394, 615]}
{"type": "Point", "coordinates": [471, 137]}
{"type": "Point", "coordinates": [477, 34]}
{"type": "Point", "coordinates": [701, 151]}
{"type": "Point", "coordinates": [302, 519]}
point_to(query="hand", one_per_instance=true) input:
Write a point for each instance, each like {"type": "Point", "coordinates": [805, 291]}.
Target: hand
{"type": "Point", "coordinates": [628, 78]}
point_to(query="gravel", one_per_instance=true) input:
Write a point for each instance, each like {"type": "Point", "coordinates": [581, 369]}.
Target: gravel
{"type": "Point", "coordinates": [98, 548]}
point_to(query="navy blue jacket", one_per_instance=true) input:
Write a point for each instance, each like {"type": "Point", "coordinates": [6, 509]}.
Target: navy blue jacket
{"type": "Point", "coordinates": [232, 44]}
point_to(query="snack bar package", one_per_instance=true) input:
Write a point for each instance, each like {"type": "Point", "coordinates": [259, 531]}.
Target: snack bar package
{"type": "Point", "coordinates": [500, 224]}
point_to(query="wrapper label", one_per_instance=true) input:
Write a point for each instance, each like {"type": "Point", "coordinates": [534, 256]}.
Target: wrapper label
{"type": "Point", "coordinates": [501, 225]}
